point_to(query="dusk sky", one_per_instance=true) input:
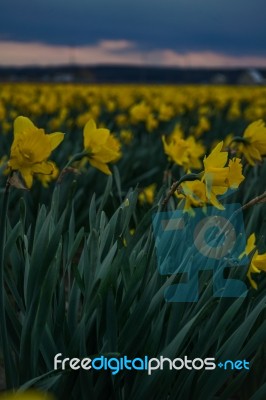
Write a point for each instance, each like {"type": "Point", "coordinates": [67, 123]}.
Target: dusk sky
{"type": "Point", "coordinates": [153, 32]}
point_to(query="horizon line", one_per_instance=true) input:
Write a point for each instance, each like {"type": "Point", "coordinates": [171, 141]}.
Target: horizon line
{"type": "Point", "coordinates": [119, 52]}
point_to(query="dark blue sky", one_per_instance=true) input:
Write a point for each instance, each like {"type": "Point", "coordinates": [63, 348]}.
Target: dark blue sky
{"type": "Point", "coordinates": [235, 27]}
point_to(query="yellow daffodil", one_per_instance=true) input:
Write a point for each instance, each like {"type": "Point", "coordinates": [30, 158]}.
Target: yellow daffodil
{"type": "Point", "coordinates": [218, 177]}
{"type": "Point", "coordinates": [139, 112]}
{"type": "Point", "coordinates": [195, 151]}
{"type": "Point", "coordinates": [31, 149]}
{"type": "Point", "coordinates": [183, 152]}
{"type": "Point", "coordinates": [176, 149]}
{"type": "Point", "coordinates": [258, 261]}
{"type": "Point", "coordinates": [254, 145]}
{"type": "Point", "coordinates": [101, 145]}
{"type": "Point", "coordinates": [194, 194]}
{"type": "Point", "coordinates": [215, 171]}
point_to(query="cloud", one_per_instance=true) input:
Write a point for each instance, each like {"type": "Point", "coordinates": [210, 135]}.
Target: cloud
{"type": "Point", "coordinates": [169, 57]}
{"type": "Point", "coordinates": [116, 45]}
{"type": "Point", "coordinates": [117, 52]}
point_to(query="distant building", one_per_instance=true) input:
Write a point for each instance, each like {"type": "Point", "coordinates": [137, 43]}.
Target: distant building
{"type": "Point", "coordinates": [63, 77]}
{"type": "Point", "coordinates": [251, 77]}
{"type": "Point", "coordinates": [219, 79]}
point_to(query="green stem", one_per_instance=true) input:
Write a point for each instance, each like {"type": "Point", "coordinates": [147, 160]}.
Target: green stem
{"type": "Point", "coordinates": [76, 157]}
{"type": "Point", "coordinates": [238, 139]}
{"type": "Point", "coordinates": [9, 371]}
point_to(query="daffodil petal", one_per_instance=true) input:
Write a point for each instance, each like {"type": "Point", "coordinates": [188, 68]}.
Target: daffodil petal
{"type": "Point", "coordinates": [252, 282]}
{"type": "Point", "coordinates": [251, 243]}
{"type": "Point", "coordinates": [23, 124]}
{"type": "Point", "coordinates": [102, 167]}
{"type": "Point", "coordinates": [90, 126]}
{"type": "Point", "coordinates": [55, 139]}
{"type": "Point", "coordinates": [94, 138]}
{"type": "Point", "coordinates": [214, 201]}
{"type": "Point", "coordinates": [45, 168]}
{"type": "Point", "coordinates": [217, 158]}
{"type": "Point", "coordinates": [259, 261]}
{"type": "Point", "coordinates": [27, 176]}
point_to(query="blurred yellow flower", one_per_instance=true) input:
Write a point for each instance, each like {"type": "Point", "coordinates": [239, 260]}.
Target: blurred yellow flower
{"type": "Point", "coordinates": [183, 152]}
{"type": "Point", "coordinates": [234, 111]}
{"type": "Point", "coordinates": [254, 145]}
{"type": "Point", "coordinates": [151, 123]}
{"type": "Point", "coordinates": [83, 118]}
{"type": "Point", "coordinates": [101, 145]}
{"type": "Point", "coordinates": [166, 112]}
{"type": "Point", "coordinates": [203, 126]}
{"type": "Point", "coordinates": [126, 136]}
{"type": "Point", "coordinates": [31, 148]}
{"type": "Point", "coordinates": [176, 149]}
{"type": "Point", "coordinates": [227, 141]}
{"type": "Point", "coordinates": [195, 151]}
{"type": "Point", "coordinates": [147, 194]}
{"type": "Point", "coordinates": [121, 119]}
{"type": "Point", "coordinates": [177, 132]}
{"type": "Point", "coordinates": [28, 395]}
{"type": "Point", "coordinates": [139, 112]}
